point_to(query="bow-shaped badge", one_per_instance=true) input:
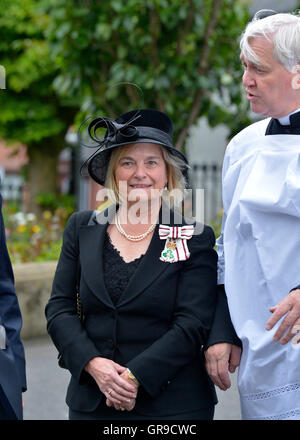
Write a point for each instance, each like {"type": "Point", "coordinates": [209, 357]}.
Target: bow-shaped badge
{"type": "Point", "coordinates": [176, 242]}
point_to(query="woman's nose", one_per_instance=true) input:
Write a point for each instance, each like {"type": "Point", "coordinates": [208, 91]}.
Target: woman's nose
{"type": "Point", "coordinates": [140, 171]}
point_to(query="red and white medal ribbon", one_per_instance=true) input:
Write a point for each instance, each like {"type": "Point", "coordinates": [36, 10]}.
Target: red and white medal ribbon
{"type": "Point", "coordinates": [176, 242]}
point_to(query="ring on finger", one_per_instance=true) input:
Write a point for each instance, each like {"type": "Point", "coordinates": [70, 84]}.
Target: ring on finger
{"type": "Point", "coordinates": [110, 391]}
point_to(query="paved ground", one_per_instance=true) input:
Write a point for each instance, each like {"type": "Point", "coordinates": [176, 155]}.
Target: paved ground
{"type": "Point", "coordinates": [47, 384]}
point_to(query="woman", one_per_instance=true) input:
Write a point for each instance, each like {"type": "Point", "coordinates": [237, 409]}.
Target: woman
{"type": "Point", "coordinates": [147, 285]}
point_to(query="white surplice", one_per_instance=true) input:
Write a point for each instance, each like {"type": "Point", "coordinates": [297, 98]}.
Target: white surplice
{"type": "Point", "coordinates": [259, 263]}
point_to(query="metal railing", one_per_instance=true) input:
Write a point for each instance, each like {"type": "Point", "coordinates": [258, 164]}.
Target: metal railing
{"type": "Point", "coordinates": [209, 178]}
{"type": "Point", "coordinates": [11, 188]}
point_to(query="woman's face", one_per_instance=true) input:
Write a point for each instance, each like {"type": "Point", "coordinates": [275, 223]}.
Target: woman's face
{"type": "Point", "coordinates": [140, 170]}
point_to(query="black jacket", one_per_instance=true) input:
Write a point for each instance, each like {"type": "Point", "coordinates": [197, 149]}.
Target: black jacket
{"type": "Point", "coordinates": [156, 329]}
{"type": "Point", "coordinates": [12, 359]}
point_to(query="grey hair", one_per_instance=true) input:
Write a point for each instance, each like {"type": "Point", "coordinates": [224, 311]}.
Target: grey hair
{"type": "Point", "coordinates": [283, 30]}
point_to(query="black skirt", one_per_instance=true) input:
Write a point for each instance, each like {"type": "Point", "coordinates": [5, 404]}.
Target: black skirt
{"type": "Point", "coordinates": [103, 412]}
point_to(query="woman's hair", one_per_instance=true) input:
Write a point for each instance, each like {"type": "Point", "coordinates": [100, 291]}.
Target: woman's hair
{"type": "Point", "coordinates": [174, 168]}
{"type": "Point", "coordinates": [283, 30]}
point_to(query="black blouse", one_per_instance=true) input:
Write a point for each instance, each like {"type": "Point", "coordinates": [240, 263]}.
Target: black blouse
{"type": "Point", "coordinates": [117, 272]}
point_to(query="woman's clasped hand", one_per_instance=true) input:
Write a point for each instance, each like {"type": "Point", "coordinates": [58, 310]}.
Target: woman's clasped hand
{"type": "Point", "coordinates": [114, 382]}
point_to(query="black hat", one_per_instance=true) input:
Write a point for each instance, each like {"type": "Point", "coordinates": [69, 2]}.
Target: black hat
{"type": "Point", "coordinates": [135, 126]}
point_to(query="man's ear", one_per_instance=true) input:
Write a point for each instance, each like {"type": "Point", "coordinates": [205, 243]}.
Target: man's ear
{"type": "Point", "coordinates": [296, 77]}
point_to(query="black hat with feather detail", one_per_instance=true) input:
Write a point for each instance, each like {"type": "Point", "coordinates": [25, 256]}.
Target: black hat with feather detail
{"type": "Point", "coordinates": [136, 126]}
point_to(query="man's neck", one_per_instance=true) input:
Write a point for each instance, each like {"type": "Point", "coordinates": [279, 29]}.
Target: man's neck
{"type": "Point", "coordinates": [285, 120]}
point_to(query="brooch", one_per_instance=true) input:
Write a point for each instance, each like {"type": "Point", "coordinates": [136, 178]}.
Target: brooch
{"type": "Point", "coordinates": [176, 242]}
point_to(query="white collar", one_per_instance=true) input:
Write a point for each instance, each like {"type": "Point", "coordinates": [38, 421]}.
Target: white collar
{"type": "Point", "coordinates": [285, 120]}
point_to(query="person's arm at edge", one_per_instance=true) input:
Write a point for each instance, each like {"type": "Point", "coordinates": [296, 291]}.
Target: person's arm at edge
{"type": "Point", "coordinates": [9, 306]}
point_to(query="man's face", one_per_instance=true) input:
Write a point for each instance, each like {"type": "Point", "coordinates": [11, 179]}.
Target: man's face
{"type": "Point", "coordinates": [269, 86]}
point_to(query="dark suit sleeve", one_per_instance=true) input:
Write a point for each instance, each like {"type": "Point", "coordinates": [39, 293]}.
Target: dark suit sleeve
{"type": "Point", "coordinates": [10, 314]}
{"type": "Point", "coordinates": [63, 324]}
{"type": "Point", "coordinates": [192, 317]}
{"type": "Point", "coordinates": [222, 329]}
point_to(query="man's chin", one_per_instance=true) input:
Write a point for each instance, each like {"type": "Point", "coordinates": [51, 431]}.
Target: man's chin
{"type": "Point", "coordinates": [259, 111]}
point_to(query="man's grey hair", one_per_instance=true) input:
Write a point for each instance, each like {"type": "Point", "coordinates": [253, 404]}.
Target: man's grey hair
{"type": "Point", "coordinates": [283, 30]}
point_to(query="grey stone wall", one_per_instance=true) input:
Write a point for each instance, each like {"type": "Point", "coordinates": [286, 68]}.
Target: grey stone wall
{"type": "Point", "coordinates": [33, 283]}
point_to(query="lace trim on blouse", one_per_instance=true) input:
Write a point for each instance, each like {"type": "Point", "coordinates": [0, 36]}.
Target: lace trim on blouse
{"type": "Point", "coordinates": [117, 272]}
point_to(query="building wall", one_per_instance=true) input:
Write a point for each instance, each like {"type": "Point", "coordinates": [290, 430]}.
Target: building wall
{"type": "Point", "coordinates": [275, 5]}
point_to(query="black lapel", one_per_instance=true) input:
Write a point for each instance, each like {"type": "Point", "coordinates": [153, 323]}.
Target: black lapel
{"type": "Point", "coordinates": [151, 267]}
{"type": "Point", "coordinates": [91, 242]}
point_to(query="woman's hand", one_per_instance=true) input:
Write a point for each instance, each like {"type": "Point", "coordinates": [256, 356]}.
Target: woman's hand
{"type": "Point", "coordinates": [107, 375]}
{"type": "Point", "coordinates": [125, 405]}
{"type": "Point", "coordinates": [128, 406]}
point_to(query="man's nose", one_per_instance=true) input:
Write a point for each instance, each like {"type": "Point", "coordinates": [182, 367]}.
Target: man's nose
{"type": "Point", "coordinates": [248, 79]}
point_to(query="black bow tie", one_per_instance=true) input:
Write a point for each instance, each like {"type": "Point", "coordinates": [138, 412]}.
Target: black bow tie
{"type": "Point", "coordinates": [274, 126]}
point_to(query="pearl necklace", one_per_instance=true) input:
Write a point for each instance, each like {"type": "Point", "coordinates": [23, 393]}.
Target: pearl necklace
{"type": "Point", "coordinates": [133, 237]}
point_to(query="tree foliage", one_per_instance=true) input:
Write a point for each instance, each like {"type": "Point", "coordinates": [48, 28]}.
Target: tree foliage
{"type": "Point", "coordinates": [31, 111]}
{"type": "Point", "coordinates": [184, 55]}
{"type": "Point", "coordinates": [63, 59]}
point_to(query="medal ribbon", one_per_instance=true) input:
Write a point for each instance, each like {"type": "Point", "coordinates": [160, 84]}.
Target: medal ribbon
{"type": "Point", "coordinates": [176, 237]}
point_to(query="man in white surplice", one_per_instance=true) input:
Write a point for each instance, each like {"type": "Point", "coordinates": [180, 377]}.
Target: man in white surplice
{"type": "Point", "coordinates": [259, 248]}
